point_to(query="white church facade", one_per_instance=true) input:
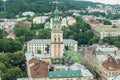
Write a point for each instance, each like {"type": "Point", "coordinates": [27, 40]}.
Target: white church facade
{"type": "Point", "coordinates": [57, 43]}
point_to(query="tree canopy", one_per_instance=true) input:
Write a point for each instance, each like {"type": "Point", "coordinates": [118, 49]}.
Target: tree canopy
{"type": "Point", "coordinates": [10, 45]}
{"type": "Point", "coordinates": [12, 65]}
{"type": "Point", "coordinates": [80, 32]}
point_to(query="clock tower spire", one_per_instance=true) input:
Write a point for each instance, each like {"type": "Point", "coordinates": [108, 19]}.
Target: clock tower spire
{"type": "Point", "coordinates": [56, 36]}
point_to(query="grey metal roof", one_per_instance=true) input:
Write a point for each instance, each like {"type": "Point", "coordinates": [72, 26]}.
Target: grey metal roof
{"type": "Point", "coordinates": [48, 41]}
{"type": "Point", "coordinates": [68, 41]}
{"type": "Point", "coordinates": [40, 41]}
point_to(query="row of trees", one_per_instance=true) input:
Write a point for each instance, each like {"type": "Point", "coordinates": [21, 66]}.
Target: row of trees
{"type": "Point", "coordinates": [25, 33]}
{"type": "Point", "coordinates": [10, 45]}
{"type": "Point", "coordinates": [12, 65]}
{"type": "Point", "coordinates": [11, 8]}
{"type": "Point", "coordinates": [112, 40]}
{"type": "Point", "coordinates": [97, 14]}
{"type": "Point", "coordinates": [14, 8]}
{"type": "Point", "coordinates": [113, 16]}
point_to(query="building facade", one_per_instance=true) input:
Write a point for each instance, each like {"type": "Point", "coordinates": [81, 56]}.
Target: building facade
{"type": "Point", "coordinates": [56, 43]}
{"type": "Point", "coordinates": [104, 59]}
{"type": "Point", "coordinates": [56, 37]}
{"type": "Point", "coordinates": [40, 19]}
{"type": "Point", "coordinates": [105, 30]}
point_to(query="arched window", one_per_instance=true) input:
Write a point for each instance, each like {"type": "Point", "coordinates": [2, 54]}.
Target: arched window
{"type": "Point", "coordinates": [58, 39]}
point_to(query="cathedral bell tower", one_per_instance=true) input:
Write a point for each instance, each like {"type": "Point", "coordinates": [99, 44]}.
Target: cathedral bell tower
{"type": "Point", "coordinates": [56, 36]}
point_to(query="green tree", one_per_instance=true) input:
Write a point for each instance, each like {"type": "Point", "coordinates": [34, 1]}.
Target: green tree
{"type": "Point", "coordinates": [66, 47]}
{"type": "Point", "coordinates": [20, 30]}
{"type": "Point", "coordinates": [37, 26]}
{"type": "Point", "coordinates": [10, 45]}
{"type": "Point", "coordinates": [98, 14]}
{"type": "Point", "coordinates": [4, 59]}
{"type": "Point", "coordinates": [80, 31]}
{"type": "Point", "coordinates": [44, 34]}
{"type": "Point", "coordinates": [13, 74]}
{"type": "Point", "coordinates": [18, 60]}
{"type": "Point", "coordinates": [39, 51]}
{"type": "Point", "coordinates": [1, 34]}
{"type": "Point", "coordinates": [47, 49]}
{"type": "Point", "coordinates": [94, 40]}
{"type": "Point", "coordinates": [114, 26]}
{"type": "Point", "coordinates": [106, 22]}
{"type": "Point", "coordinates": [21, 39]}
{"type": "Point", "coordinates": [117, 44]}
{"type": "Point", "coordinates": [2, 67]}
{"type": "Point", "coordinates": [10, 61]}
{"type": "Point", "coordinates": [113, 16]}
{"type": "Point", "coordinates": [2, 14]}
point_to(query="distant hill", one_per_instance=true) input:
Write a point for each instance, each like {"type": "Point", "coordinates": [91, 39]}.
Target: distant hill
{"type": "Point", "coordinates": [15, 7]}
{"type": "Point", "coordinates": [81, 3]}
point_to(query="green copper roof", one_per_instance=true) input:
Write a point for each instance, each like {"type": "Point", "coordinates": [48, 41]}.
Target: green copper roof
{"type": "Point", "coordinates": [65, 74]}
{"type": "Point", "coordinates": [56, 19]}
{"type": "Point", "coordinates": [56, 12]}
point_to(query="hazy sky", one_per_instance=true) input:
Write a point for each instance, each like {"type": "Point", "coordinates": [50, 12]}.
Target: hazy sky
{"type": "Point", "coordinates": [106, 1]}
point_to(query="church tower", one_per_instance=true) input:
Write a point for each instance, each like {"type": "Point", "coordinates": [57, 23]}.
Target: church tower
{"type": "Point", "coordinates": [56, 36]}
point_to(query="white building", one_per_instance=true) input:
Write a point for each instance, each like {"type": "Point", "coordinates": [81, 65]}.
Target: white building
{"type": "Point", "coordinates": [40, 19]}
{"type": "Point", "coordinates": [65, 21]}
{"type": "Point", "coordinates": [40, 44]}
{"type": "Point", "coordinates": [28, 13]}
{"type": "Point", "coordinates": [57, 43]}
{"type": "Point", "coordinates": [71, 20]}
{"type": "Point", "coordinates": [7, 24]}
{"type": "Point", "coordinates": [104, 59]}
{"type": "Point", "coordinates": [115, 22]}
{"type": "Point", "coordinates": [105, 30]}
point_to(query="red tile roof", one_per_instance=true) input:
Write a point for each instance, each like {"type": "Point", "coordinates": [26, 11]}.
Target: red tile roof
{"type": "Point", "coordinates": [112, 64]}
{"type": "Point", "coordinates": [39, 69]}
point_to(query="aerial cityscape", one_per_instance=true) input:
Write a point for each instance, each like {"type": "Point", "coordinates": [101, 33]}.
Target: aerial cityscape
{"type": "Point", "coordinates": [59, 40]}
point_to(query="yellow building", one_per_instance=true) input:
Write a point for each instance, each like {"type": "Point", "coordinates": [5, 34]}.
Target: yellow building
{"type": "Point", "coordinates": [104, 60]}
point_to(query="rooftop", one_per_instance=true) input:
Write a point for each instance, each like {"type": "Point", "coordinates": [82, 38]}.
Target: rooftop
{"type": "Point", "coordinates": [107, 55]}
{"type": "Point", "coordinates": [39, 17]}
{"type": "Point", "coordinates": [29, 56]}
{"type": "Point", "coordinates": [112, 64]}
{"type": "Point", "coordinates": [117, 77]}
{"type": "Point", "coordinates": [48, 41]}
{"type": "Point", "coordinates": [65, 74]}
{"type": "Point", "coordinates": [84, 70]}
{"type": "Point", "coordinates": [75, 66]}
{"type": "Point", "coordinates": [38, 68]}
{"type": "Point", "coordinates": [104, 28]}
